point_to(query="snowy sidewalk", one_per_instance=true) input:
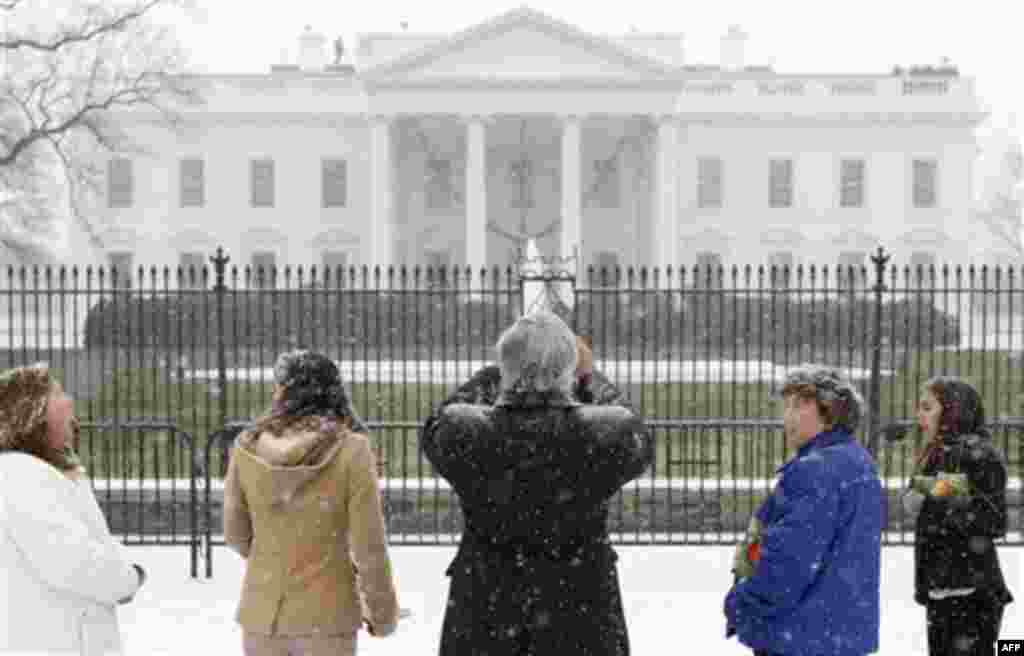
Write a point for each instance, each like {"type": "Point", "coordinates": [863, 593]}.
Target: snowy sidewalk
{"type": "Point", "coordinates": [673, 598]}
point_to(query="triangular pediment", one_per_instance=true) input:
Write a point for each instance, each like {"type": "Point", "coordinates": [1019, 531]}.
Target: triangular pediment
{"type": "Point", "coordinates": [521, 44]}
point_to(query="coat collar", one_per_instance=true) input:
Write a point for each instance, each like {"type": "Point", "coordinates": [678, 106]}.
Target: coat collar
{"type": "Point", "coordinates": [822, 440]}
{"type": "Point", "coordinates": [548, 399]}
{"type": "Point", "coordinates": [289, 461]}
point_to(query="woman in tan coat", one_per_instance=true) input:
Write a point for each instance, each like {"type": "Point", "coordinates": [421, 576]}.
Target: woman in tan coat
{"type": "Point", "coordinates": [302, 506]}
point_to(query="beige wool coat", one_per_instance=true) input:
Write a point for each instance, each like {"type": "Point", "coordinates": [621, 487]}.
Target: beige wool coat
{"type": "Point", "coordinates": [304, 510]}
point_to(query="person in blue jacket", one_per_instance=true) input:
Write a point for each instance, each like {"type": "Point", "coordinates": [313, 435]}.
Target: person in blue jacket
{"type": "Point", "coordinates": [815, 588]}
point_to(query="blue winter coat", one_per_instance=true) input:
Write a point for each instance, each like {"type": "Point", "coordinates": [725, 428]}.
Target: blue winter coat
{"type": "Point", "coordinates": [816, 587]}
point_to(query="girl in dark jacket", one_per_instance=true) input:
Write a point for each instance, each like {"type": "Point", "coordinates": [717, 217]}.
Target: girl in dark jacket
{"type": "Point", "coordinates": [957, 576]}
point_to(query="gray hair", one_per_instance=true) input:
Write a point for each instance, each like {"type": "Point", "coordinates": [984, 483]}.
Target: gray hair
{"type": "Point", "coordinates": [834, 393]}
{"type": "Point", "coordinates": [537, 354]}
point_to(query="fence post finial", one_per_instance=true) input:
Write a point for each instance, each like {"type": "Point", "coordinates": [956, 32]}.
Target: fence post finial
{"type": "Point", "coordinates": [880, 259]}
{"type": "Point", "coordinates": [220, 265]}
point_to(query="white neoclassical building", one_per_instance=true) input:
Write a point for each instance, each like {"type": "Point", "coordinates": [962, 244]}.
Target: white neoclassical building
{"type": "Point", "coordinates": [454, 148]}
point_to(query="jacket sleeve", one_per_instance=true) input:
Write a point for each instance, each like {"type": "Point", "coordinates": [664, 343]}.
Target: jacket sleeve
{"type": "Point", "coordinates": [794, 545]}
{"type": "Point", "coordinates": [984, 512]}
{"type": "Point", "coordinates": [481, 389]}
{"type": "Point", "coordinates": [56, 543]}
{"type": "Point", "coordinates": [447, 441]}
{"type": "Point", "coordinates": [237, 520]}
{"type": "Point", "coordinates": [618, 454]}
{"type": "Point", "coordinates": [368, 545]}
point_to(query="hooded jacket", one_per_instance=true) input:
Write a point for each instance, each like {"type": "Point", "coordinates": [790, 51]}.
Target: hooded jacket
{"type": "Point", "coordinates": [304, 509]}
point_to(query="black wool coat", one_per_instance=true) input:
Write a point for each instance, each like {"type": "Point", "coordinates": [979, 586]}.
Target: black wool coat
{"type": "Point", "coordinates": [535, 571]}
{"type": "Point", "coordinates": [953, 544]}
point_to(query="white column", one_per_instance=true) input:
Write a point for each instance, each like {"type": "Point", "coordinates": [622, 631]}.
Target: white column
{"type": "Point", "coordinates": [665, 236]}
{"type": "Point", "coordinates": [476, 194]}
{"type": "Point", "coordinates": [571, 190]}
{"type": "Point", "coordinates": [381, 194]}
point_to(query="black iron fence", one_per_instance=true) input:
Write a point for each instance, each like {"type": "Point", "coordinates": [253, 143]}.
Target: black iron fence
{"type": "Point", "coordinates": [159, 355]}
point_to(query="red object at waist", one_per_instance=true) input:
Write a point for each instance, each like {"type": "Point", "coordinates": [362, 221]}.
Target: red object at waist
{"type": "Point", "coordinates": [754, 552]}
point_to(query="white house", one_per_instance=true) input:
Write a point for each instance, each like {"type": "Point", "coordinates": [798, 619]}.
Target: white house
{"type": "Point", "coordinates": [453, 148]}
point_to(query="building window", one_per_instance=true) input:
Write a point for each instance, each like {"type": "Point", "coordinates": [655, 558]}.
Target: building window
{"type": "Point", "coordinates": [781, 182]}
{"type": "Point", "coordinates": [708, 273]}
{"type": "Point", "coordinates": [606, 268]}
{"type": "Point", "coordinates": [120, 182]}
{"type": "Point", "coordinates": [121, 269]}
{"type": "Point", "coordinates": [191, 265]}
{"type": "Point", "coordinates": [262, 182]}
{"type": "Point", "coordinates": [921, 264]}
{"type": "Point", "coordinates": [440, 184]}
{"type": "Point", "coordinates": [925, 180]}
{"type": "Point", "coordinates": [334, 183]}
{"type": "Point", "coordinates": [851, 183]}
{"type": "Point", "coordinates": [605, 192]}
{"type": "Point", "coordinates": [192, 183]}
{"type": "Point", "coordinates": [850, 275]}
{"type": "Point", "coordinates": [709, 182]}
{"type": "Point", "coordinates": [780, 269]}
{"type": "Point", "coordinates": [335, 267]}
{"type": "Point", "coordinates": [264, 269]}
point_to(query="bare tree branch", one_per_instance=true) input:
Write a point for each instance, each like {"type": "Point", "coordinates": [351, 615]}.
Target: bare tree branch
{"type": "Point", "coordinates": [61, 96]}
{"type": "Point", "coordinates": [83, 34]}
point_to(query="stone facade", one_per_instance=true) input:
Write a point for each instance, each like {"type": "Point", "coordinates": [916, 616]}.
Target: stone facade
{"type": "Point", "coordinates": [451, 149]}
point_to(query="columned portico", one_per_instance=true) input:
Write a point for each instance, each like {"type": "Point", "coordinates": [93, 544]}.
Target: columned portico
{"type": "Point", "coordinates": [666, 221]}
{"type": "Point", "coordinates": [476, 194]}
{"type": "Point", "coordinates": [381, 229]}
{"type": "Point", "coordinates": [570, 188]}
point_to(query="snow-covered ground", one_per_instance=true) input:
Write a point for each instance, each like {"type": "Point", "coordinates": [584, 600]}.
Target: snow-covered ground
{"type": "Point", "coordinates": [673, 599]}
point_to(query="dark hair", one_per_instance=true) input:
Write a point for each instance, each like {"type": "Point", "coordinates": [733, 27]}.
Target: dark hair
{"type": "Point", "coordinates": [313, 395]}
{"type": "Point", "coordinates": [963, 412]}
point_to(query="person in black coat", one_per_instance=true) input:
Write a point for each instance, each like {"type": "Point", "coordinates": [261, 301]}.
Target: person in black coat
{"type": "Point", "coordinates": [535, 571]}
{"type": "Point", "coordinates": [957, 576]}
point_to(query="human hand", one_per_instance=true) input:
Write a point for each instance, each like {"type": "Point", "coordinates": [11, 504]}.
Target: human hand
{"type": "Point", "coordinates": [141, 573]}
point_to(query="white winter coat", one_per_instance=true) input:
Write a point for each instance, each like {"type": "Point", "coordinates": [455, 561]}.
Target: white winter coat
{"type": "Point", "coordinates": [61, 572]}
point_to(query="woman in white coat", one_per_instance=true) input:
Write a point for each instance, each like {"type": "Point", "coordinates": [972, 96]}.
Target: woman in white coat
{"type": "Point", "coordinates": [61, 573]}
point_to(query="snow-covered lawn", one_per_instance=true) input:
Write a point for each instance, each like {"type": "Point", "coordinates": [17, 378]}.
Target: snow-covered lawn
{"type": "Point", "coordinates": [673, 597]}
{"type": "Point", "coordinates": [619, 371]}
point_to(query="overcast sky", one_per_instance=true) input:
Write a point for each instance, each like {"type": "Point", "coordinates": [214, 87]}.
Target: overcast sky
{"type": "Point", "coordinates": [982, 37]}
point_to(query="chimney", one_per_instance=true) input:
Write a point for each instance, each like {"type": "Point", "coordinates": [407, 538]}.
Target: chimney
{"type": "Point", "coordinates": [734, 46]}
{"type": "Point", "coordinates": [312, 50]}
